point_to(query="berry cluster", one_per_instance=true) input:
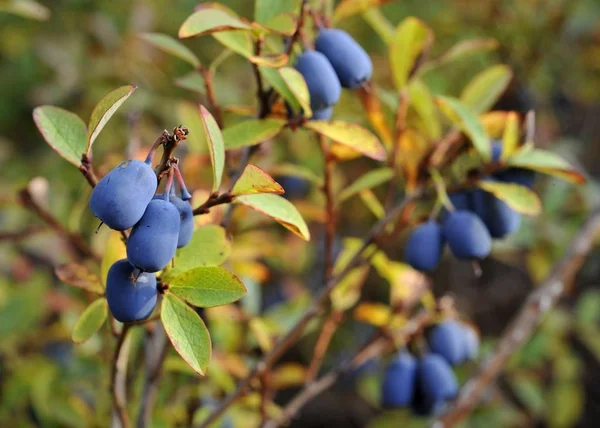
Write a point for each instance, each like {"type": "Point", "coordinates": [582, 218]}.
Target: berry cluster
{"type": "Point", "coordinates": [425, 384]}
{"type": "Point", "coordinates": [337, 61]}
{"type": "Point", "coordinates": [160, 223]}
{"type": "Point", "coordinates": [478, 217]}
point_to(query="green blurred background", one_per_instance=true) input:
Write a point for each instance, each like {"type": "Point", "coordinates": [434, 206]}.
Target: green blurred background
{"type": "Point", "coordinates": [71, 52]}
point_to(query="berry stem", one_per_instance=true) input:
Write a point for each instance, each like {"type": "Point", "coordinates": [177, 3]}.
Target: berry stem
{"type": "Point", "coordinates": [185, 195]}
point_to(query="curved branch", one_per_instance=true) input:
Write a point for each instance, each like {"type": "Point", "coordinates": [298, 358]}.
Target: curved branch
{"type": "Point", "coordinates": [539, 302]}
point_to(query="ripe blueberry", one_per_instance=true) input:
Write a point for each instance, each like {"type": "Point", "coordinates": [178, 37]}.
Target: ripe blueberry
{"type": "Point", "coordinates": [323, 84]}
{"type": "Point", "coordinates": [500, 219]}
{"type": "Point", "coordinates": [130, 299]}
{"type": "Point", "coordinates": [447, 339]}
{"type": "Point", "coordinates": [186, 228]}
{"type": "Point", "coordinates": [121, 196]}
{"type": "Point", "coordinates": [522, 176]}
{"type": "Point", "coordinates": [424, 246]}
{"type": "Point", "coordinates": [153, 240]}
{"type": "Point", "coordinates": [324, 114]}
{"type": "Point", "coordinates": [467, 235]}
{"type": "Point", "coordinates": [349, 60]}
{"type": "Point", "coordinates": [471, 341]}
{"type": "Point", "coordinates": [436, 384]}
{"type": "Point", "coordinates": [399, 381]}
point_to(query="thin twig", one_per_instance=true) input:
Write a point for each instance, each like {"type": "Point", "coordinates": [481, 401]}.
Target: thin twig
{"type": "Point", "coordinates": [119, 380]}
{"type": "Point", "coordinates": [213, 200]}
{"type": "Point", "coordinates": [210, 94]}
{"type": "Point", "coordinates": [400, 127]}
{"type": "Point", "coordinates": [327, 332]}
{"type": "Point", "coordinates": [539, 302]}
{"type": "Point", "coordinates": [87, 169]}
{"type": "Point", "coordinates": [81, 248]}
{"type": "Point", "coordinates": [155, 350]}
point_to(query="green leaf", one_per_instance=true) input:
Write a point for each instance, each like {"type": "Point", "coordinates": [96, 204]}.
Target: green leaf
{"type": "Point", "coordinates": [254, 180]}
{"type": "Point", "coordinates": [295, 170]}
{"type": "Point", "coordinates": [412, 39]}
{"type": "Point", "coordinates": [290, 84]}
{"type": "Point", "coordinates": [351, 135]}
{"type": "Point", "coordinates": [280, 209]}
{"type": "Point", "coordinates": [267, 10]}
{"type": "Point", "coordinates": [105, 109]}
{"type": "Point", "coordinates": [79, 276]}
{"type": "Point", "coordinates": [26, 8]}
{"type": "Point", "coordinates": [90, 320]}
{"type": "Point", "coordinates": [216, 146]}
{"type": "Point", "coordinates": [547, 163]}
{"type": "Point", "coordinates": [251, 132]}
{"type": "Point", "coordinates": [369, 180]}
{"type": "Point", "coordinates": [172, 46]}
{"type": "Point", "coordinates": [347, 8]}
{"type": "Point", "coordinates": [486, 88]}
{"type": "Point", "coordinates": [64, 131]}
{"type": "Point", "coordinates": [189, 114]}
{"type": "Point", "coordinates": [379, 22]}
{"type": "Point", "coordinates": [187, 332]}
{"type": "Point", "coordinates": [284, 24]}
{"type": "Point", "coordinates": [510, 138]}
{"type": "Point", "coordinates": [207, 287]}
{"type": "Point", "coordinates": [210, 20]}
{"type": "Point", "coordinates": [239, 42]}
{"type": "Point", "coordinates": [192, 81]}
{"type": "Point", "coordinates": [462, 50]}
{"type": "Point", "coordinates": [468, 122]}
{"type": "Point", "coordinates": [519, 198]}
{"type": "Point", "coordinates": [209, 246]}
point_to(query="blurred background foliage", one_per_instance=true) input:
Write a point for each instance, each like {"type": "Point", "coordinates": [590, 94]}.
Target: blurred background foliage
{"type": "Point", "coordinates": [71, 52]}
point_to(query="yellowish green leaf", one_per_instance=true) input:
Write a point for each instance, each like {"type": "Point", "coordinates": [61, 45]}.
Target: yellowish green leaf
{"type": "Point", "coordinates": [376, 314]}
{"type": "Point", "coordinates": [251, 132]}
{"type": "Point", "coordinates": [254, 180]}
{"type": "Point", "coordinates": [207, 287]}
{"type": "Point", "coordinates": [369, 180]}
{"type": "Point", "coordinates": [547, 163]}
{"type": "Point", "coordinates": [412, 149]}
{"type": "Point", "coordinates": [210, 20]}
{"type": "Point", "coordinates": [290, 84]}
{"type": "Point", "coordinates": [276, 60]}
{"type": "Point", "coordinates": [187, 332]}
{"type": "Point", "coordinates": [280, 209]}
{"type": "Point", "coordinates": [411, 41]}
{"type": "Point", "coordinates": [379, 22]}
{"type": "Point", "coordinates": [296, 170]}
{"type": "Point", "coordinates": [519, 198]}
{"type": "Point", "coordinates": [79, 276]}
{"type": "Point", "coordinates": [510, 139]}
{"type": "Point", "coordinates": [90, 321]}
{"type": "Point", "coordinates": [216, 146]}
{"type": "Point", "coordinates": [422, 101]}
{"type": "Point", "coordinates": [105, 109]}
{"type": "Point", "coordinates": [486, 88]}
{"type": "Point", "coordinates": [239, 42]}
{"type": "Point", "coordinates": [192, 81]}
{"type": "Point", "coordinates": [352, 135]}
{"type": "Point", "coordinates": [372, 106]}
{"type": "Point", "coordinates": [172, 46]}
{"type": "Point", "coordinates": [265, 11]}
{"type": "Point", "coordinates": [348, 8]}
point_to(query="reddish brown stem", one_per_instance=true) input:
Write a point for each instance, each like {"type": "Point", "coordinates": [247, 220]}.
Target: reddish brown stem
{"type": "Point", "coordinates": [327, 332]}
{"type": "Point", "coordinates": [214, 200]}
{"type": "Point", "coordinates": [210, 94]}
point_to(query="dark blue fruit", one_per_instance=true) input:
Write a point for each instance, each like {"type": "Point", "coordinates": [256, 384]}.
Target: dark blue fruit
{"type": "Point", "coordinates": [436, 384]}
{"type": "Point", "coordinates": [424, 247]}
{"type": "Point", "coordinates": [522, 176]}
{"type": "Point", "coordinates": [496, 150]}
{"type": "Point", "coordinates": [323, 84]}
{"type": "Point", "coordinates": [153, 240]}
{"type": "Point", "coordinates": [186, 228]}
{"type": "Point", "coordinates": [349, 60]}
{"type": "Point", "coordinates": [500, 219]}
{"type": "Point", "coordinates": [399, 378]}
{"type": "Point", "coordinates": [129, 299]}
{"type": "Point", "coordinates": [471, 342]}
{"type": "Point", "coordinates": [121, 196]}
{"type": "Point", "coordinates": [467, 235]}
{"type": "Point", "coordinates": [447, 339]}
{"type": "Point", "coordinates": [324, 114]}
{"type": "Point", "coordinates": [295, 187]}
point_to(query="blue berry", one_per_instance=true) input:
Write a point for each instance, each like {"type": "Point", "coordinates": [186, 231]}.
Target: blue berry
{"type": "Point", "coordinates": [436, 384]}
{"type": "Point", "coordinates": [153, 240]}
{"type": "Point", "coordinates": [324, 114]}
{"type": "Point", "coordinates": [121, 196]}
{"type": "Point", "coordinates": [522, 176]}
{"type": "Point", "coordinates": [471, 342]}
{"type": "Point", "coordinates": [500, 219]}
{"type": "Point", "coordinates": [447, 339]}
{"type": "Point", "coordinates": [399, 381]}
{"type": "Point", "coordinates": [186, 228]}
{"type": "Point", "coordinates": [466, 235]}
{"type": "Point", "coordinates": [130, 299]}
{"type": "Point", "coordinates": [323, 84]}
{"type": "Point", "coordinates": [424, 247]}
{"type": "Point", "coordinates": [349, 60]}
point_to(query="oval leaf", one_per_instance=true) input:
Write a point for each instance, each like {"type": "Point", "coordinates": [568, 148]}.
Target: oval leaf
{"type": "Point", "coordinates": [270, 60]}
{"type": "Point", "coordinates": [486, 88]}
{"type": "Point", "coordinates": [511, 136]}
{"type": "Point", "coordinates": [171, 46]}
{"type": "Point", "coordinates": [347, 8]}
{"type": "Point", "coordinates": [267, 10]}
{"type": "Point", "coordinates": [518, 197]}
{"type": "Point", "coordinates": [210, 20]}
{"type": "Point", "coordinates": [254, 180]}
{"type": "Point", "coordinates": [209, 246]}
{"type": "Point", "coordinates": [468, 122]}
{"type": "Point", "coordinates": [207, 287]}
{"type": "Point", "coordinates": [290, 84]}
{"type": "Point", "coordinates": [187, 332]}
{"type": "Point", "coordinates": [193, 81]}
{"type": "Point", "coordinates": [79, 276]}
{"type": "Point", "coordinates": [546, 163]}
{"type": "Point", "coordinates": [377, 119]}
{"type": "Point", "coordinates": [216, 146]}
{"type": "Point", "coordinates": [411, 40]}
{"type": "Point", "coordinates": [367, 181]}
{"type": "Point", "coordinates": [104, 111]}
{"type": "Point", "coordinates": [239, 42]}
{"type": "Point", "coordinates": [64, 131]}
{"type": "Point", "coordinates": [280, 209]}
{"type": "Point", "coordinates": [251, 132]}
{"type": "Point", "coordinates": [349, 134]}
{"type": "Point", "coordinates": [462, 50]}
{"type": "Point", "coordinates": [90, 321]}
{"type": "Point", "coordinates": [422, 101]}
